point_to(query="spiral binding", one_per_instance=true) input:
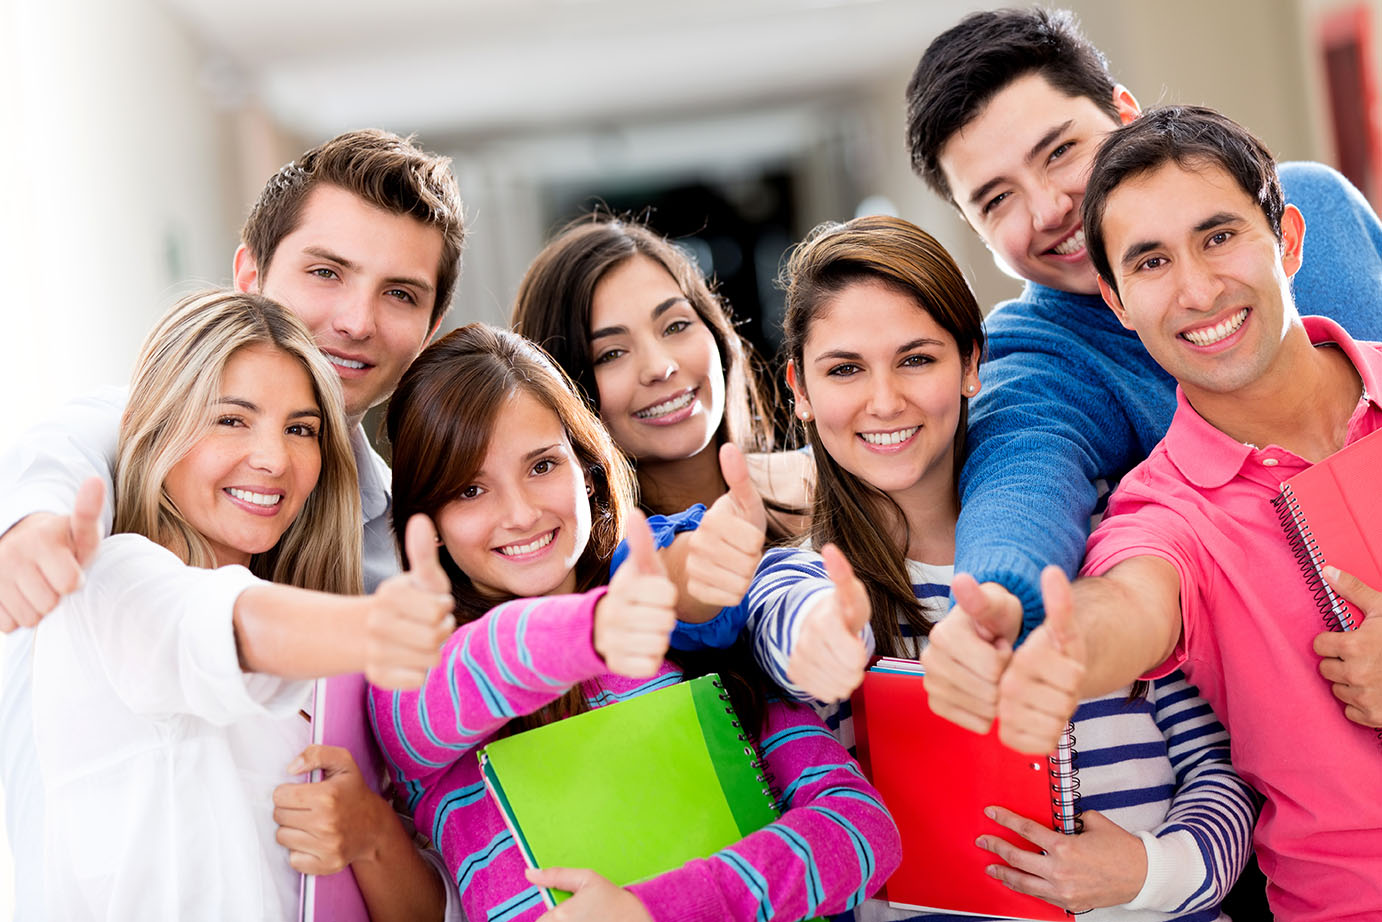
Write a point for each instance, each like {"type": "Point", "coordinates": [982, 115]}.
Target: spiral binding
{"type": "Point", "coordinates": [763, 775]}
{"type": "Point", "coordinates": [1065, 784]}
{"type": "Point", "coordinates": [1334, 611]}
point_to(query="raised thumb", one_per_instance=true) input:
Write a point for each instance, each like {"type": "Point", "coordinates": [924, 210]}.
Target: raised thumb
{"type": "Point", "coordinates": [735, 470]}
{"type": "Point", "coordinates": [420, 540]}
{"type": "Point", "coordinates": [85, 521]}
{"type": "Point", "coordinates": [642, 549]}
{"type": "Point", "coordinates": [1060, 608]}
{"type": "Point", "coordinates": [850, 598]}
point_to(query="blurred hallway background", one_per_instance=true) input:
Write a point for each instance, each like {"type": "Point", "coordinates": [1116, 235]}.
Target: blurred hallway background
{"type": "Point", "coordinates": [137, 133]}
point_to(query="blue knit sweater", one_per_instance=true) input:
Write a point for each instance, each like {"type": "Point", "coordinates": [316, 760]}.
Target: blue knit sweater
{"type": "Point", "coordinates": [1071, 398]}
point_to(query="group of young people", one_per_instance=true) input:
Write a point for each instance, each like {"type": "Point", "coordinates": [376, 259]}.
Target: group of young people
{"type": "Point", "coordinates": [156, 715]}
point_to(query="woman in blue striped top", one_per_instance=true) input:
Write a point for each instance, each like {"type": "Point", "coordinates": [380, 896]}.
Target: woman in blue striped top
{"type": "Point", "coordinates": [884, 340]}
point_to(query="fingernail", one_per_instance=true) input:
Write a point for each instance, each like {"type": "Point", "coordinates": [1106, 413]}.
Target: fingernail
{"type": "Point", "coordinates": [1331, 574]}
{"type": "Point", "coordinates": [297, 767]}
{"type": "Point", "coordinates": [991, 813]}
{"type": "Point", "coordinates": [991, 871]}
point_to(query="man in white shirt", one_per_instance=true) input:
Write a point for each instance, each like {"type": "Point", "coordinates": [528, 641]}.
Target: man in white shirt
{"type": "Point", "coordinates": [361, 238]}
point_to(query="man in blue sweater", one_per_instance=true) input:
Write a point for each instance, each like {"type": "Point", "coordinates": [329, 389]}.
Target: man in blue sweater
{"type": "Point", "coordinates": [1004, 114]}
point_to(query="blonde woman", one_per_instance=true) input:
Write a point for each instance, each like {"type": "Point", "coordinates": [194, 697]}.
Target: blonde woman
{"type": "Point", "coordinates": [166, 696]}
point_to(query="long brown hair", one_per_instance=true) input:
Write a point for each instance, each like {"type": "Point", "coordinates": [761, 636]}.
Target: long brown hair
{"type": "Point", "coordinates": [846, 511]}
{"type": "Point", "coordinates": [171, 407]}
{"type": "Point", "coordinates": [554, 303]}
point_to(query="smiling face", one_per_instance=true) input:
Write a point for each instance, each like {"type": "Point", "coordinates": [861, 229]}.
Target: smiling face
{"type": "Point", "coordinates": [522, 523]}
{"type": "Point", "coordinates": [245, 481]}
{"type": "Point", "coordinates": [884, 382]}
{"type": "Point", "coordinates": [660, 380]}
{"type": "Point", "coordinates": [363, 280]}
{"type": "Point", "coordinates": [1017, 172]}
{"type": "Point", "coordinates": [1201, 277]}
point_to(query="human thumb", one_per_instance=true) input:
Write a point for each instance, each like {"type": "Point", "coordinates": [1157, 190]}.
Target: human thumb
{"type": "Point", "coordinates": [330, 760]}
{"type": "Point", "coordinates": [850, 598]}
{"type": "Point", "coordinates": [568, 879]}
{"type": "Point", "coordinates": [420, 540]}
{"type": "Point", "coordinates": [1060, 611]}
{"type": "Point", "coordinates": [85, 521]}
{"type": "Point", "coordinates": [642, 550]}
{"type": "Point", "coordinates": [735, 470]}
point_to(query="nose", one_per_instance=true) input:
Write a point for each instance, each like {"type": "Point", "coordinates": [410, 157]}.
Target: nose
{"type": "Point", "coordinates": [354, 316]}
{"type": "Point", "coordinates": [885, 399]}
{"type": "Point", "coordinates": [1198, 286]}
{"type": "Point", "coordinates": [657, 365]}
{"type": "Point", "coordinates": [520, 511]}
{"type": "Point", "coordinates": [1050, 206]}
{"type": "Point", "coordinates": [269, 454]}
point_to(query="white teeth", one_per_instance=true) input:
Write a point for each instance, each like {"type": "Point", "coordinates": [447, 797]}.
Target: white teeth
{"type": "Point", "coordinates": [668, 406]}
{"type": "Point", "coordinates": [344, 363]}
{"type": "Point", "coordinates": [1071, 244]}
{"type": "Point", "coordinates": [889, 438]}
{"type": "Point", "coordinates": [1219, 331]}
{"type": "Point", "coordinates": [514, 550]}
{"type": "Point", "coordinates": [259, 499]}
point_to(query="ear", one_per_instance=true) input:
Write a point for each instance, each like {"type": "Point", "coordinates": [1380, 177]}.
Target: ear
{"type": "Point", "coordinates": [1114, 302]}
{"type": "Point", "coordinates": [1292, 239]}
{"type": "Point", "coordinates": [971, 376]}
{"type": "Point", "coordinates": [246, 270]}
{"type": "Point", "coordinates": [1125, 103]}
{"type": "Point", "coordinates": [803, 402]}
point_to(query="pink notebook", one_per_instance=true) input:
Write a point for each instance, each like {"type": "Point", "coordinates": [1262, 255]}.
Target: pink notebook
{"type": "Point", "coordinates": [339, 718]}
{"type": "Point", "coordinates": [1332, 514]}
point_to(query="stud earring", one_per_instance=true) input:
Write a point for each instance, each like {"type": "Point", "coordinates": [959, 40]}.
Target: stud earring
{"type": "Point", "coordinates": [589, 489]}
{"type": "Point", "coordinates": [804, 414]}
{"type": "Point", "coordinates": [970, 389]}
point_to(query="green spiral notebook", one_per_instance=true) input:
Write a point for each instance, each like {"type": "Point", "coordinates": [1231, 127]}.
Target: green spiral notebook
{"type": "Point", "coordinates": [632, 789]}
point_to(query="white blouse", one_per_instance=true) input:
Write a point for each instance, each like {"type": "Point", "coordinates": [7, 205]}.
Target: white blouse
{"type": "Point", "coordinates": [159, 756]}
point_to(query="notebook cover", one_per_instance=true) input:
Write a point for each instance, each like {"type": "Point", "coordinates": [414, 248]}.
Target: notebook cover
{"type": "Point", "coordinates": [339, 718]}
{"type": "Point", "coordinates": [1342, 505]}
{"type": "Point", "coordinates": [936, 778]}
{"type": "Point", "coordinates": [632, 789]}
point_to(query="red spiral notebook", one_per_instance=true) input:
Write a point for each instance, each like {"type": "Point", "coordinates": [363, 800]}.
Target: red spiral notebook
{"type": "Point", "coordinates": [1332, 514]}
{"type": "Point", "coordinates": [936, 778]}
{"type": "Point", "coordinates": [340, 718]}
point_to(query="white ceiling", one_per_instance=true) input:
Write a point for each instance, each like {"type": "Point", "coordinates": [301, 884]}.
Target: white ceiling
{"type": "Point", "coordinates": [459, 68]}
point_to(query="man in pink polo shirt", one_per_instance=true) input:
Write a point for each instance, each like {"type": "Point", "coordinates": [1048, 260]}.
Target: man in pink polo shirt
{"type": "Point", "coordinates": [1190, 569]}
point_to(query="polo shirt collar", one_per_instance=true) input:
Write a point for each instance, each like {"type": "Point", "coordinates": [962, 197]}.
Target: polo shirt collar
{"type": "Point", "coordinates": [1208, 458]}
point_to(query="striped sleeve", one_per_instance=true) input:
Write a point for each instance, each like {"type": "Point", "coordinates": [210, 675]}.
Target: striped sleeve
{"type": "Point", "coordinates": [834, 845]}
{"type": "Point", "coordinates": [512, 661]}
{"type": "Point", "coordinates": [787, 585]}
{"type": "Point", "coordinates": [1197, 853]}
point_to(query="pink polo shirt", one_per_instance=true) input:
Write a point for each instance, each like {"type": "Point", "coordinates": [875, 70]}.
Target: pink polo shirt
{"type": "Point", "coordinates": [1203, 502]}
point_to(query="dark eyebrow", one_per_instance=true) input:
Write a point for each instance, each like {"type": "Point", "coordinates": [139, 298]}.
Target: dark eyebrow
{"type": "Point", "coordinates": [1216, 220]}
{"type": "Point", "coordinates": [917, 344]}
{"type": "Point", "coordinates": [845, 355]}
{"type": "Point", "coordinates": [1136, 250]}
{"type": "Point", "coordinates": [662, 308]}
{"type": "Point", "coordinates": [323, 253]}
{"type": "Point", "coordinates": [1046, 140]}
{"type": "Point", "coordinates": [541, 451]}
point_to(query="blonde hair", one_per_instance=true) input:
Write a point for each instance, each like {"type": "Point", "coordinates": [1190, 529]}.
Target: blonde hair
{"type": "Point", "coordinates": [176, 381]}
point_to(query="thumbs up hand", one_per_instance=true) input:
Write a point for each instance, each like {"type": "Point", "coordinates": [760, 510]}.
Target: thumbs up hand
{"type": "Point", "coordinates": [410, 615]}
{"type": "Point", "coordinates": [830, 654]}
{"type": "Point", "coordinates": [634, 620]}
{"type": "Point", "coordinates": [43, 555]}
{"type": "Point", "coordinates": [1041, 688]}
{"type": "Point", "coordinates": [968, 650]}
{"type": "Point", "coordinates": [723, 553]}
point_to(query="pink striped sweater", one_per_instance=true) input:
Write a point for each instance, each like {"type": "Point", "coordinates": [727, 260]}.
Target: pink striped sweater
{"type": "Point", "coordinates": [833, 846]}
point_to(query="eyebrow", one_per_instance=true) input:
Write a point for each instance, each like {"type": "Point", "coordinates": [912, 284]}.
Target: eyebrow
{"type": "Point", "coordinates": [322, 253]}
{"type": "Point", "coordinates": [541, 451]}
{"type": "Point", "coordinates": [1218, 219]}
{"type": "Point", "coordinates": [662, 308]}
{"type": "Point", "coordinates": [1042, 143]}
{"type": "Point", "coordinates": [253, 407]}
{"type": "Point", "coordinates": [835, 354]}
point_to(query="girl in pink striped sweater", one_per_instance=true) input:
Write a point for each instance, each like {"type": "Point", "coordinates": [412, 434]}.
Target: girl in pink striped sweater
{"type": "Point", "coordinates": [535, 507]}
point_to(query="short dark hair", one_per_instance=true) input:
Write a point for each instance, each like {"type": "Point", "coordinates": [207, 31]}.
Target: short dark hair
{"type": "Point", "coordinates": [384, 169]}
{"type": "Point", "coordinates": [1189, 136]}
{"type": "Point", "coordinates": [966, 66]}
